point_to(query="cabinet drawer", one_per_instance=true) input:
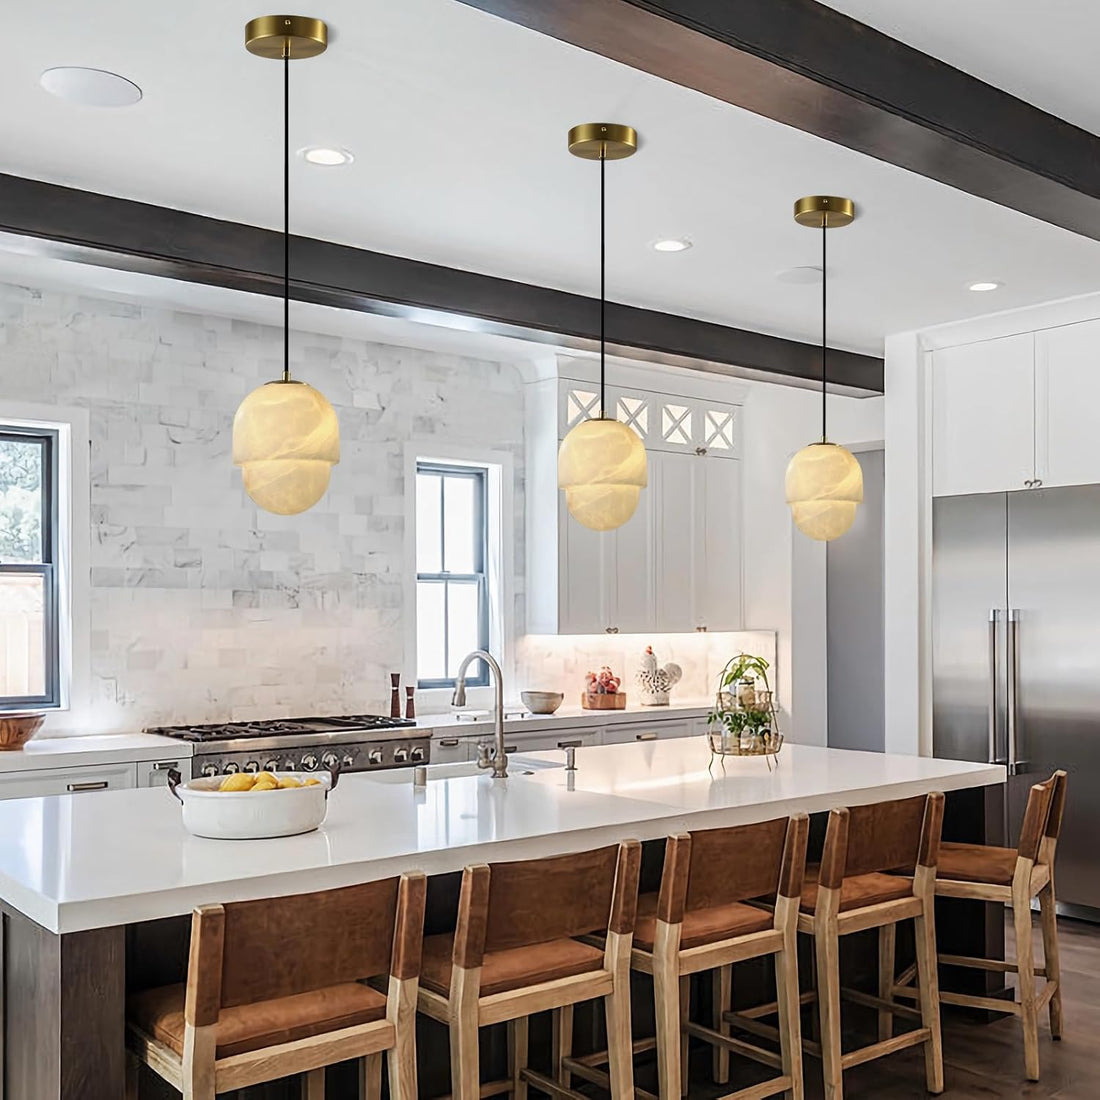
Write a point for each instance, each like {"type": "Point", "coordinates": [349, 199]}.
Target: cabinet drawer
{"type": "Point", "coordinates": [32, 784]}
{"type": "Point", "coordinates": [450, 750]}
{"type": "Point", "coordinates": [154, 773]}
{"type": "Point", "coordinates": [622, 733]}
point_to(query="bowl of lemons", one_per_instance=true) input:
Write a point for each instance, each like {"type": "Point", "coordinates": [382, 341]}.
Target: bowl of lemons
{"type": "Point", "coordinates": [253, 806]}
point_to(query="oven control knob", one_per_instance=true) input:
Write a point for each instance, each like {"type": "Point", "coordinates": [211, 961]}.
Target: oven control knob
{"type": "Point", "coordinates": [400, 755]}
{"type": "Point", "coordinates": [417, 755]}
{"type": "Point", "coordinates": [309, 762]}
{"type": "Point", "coordinates": [348, 762]}
{"type": "Point", "coordinates": [252, 766]}
{"type": "Point", "coordinates": [209, 769]}
{"type": "Point", "coordinates": [330, 760]}
{"type": "Point", "coordinates": [289, 765]}
{"type": "Point", "coordinates": [231, 768]}
{"type": "Point", "coordinates": [374, 756]}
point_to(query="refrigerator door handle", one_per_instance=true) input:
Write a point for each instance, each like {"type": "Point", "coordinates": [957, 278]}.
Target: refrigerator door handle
{"type": "Point", "coordinates": [994, 618]}
{"type": "Point", "coordinates": [1015, 764]}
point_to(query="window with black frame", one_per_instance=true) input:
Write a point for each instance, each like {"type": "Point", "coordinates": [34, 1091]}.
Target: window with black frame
{"type": "Point", "coordinates": [452, 582]}
{"type": "Point", "coordinates": [29, 626]}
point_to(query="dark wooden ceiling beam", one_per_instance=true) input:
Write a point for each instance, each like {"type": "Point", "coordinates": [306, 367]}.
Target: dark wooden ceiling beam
{"type": "Point", "coordinates": [805, 65]}
{"type": "Point", "coordinates": [112, 232]}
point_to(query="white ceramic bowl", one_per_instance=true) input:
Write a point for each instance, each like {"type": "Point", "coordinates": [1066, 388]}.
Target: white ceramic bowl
{"type": "Point", "coordinates": [252, 815]}
{"type": "Point", "coordinates": [541, 702]}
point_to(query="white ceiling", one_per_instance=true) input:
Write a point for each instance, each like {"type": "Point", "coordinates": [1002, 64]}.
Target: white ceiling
{"type": "Point", "coordinates": [458, 124]}
{"type": "Point", "coordinates": [1044, 53]}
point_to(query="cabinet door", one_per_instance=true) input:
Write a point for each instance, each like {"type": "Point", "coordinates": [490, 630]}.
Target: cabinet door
{"type": "Point", "coordinates": [983, 416]}
{"type": "Point", "coordinates": [674, 477]}
{"type": "Point", "coordinates": [628, 570]}
{"type": "Point", "coordinates": [582, 596]}
{"type": "Point", "coordinates": [627, 733]}
{"type": "Point", "coordinates": [450, 750]}
{"type": "Point", "coordinates": [80, 780]}
{"type": "Point", "coordinates": [1067, 395]}
{"type": "Point", "coordinates": [718, 593]}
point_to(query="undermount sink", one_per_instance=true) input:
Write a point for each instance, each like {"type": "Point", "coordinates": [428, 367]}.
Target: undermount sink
{"type": "Point", "coordinates": [516, 766]}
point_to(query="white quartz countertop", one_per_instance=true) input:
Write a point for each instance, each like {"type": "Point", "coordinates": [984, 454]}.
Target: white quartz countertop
{"type": "Point", "coordinates": [70, 752]}
{"type": "Point", "coordinates": [565, 717]}
{"type": "Point", "coordinates": [78, 862]}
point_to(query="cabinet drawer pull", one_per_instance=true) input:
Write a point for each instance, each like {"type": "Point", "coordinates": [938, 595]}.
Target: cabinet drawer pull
{"type": "Point", "coordinates": [611, 630]}
{"type": "Point", "coordinates": [511, 748]}
{"type": "Point", "coordinates": [701, 630]}
{"type": "Point", "coordinates": [578, 743]}
{"type": "Point", "coordinates": [165, 765]}
{"type": "Point", "coordinates": [449, 742]}
{"type": "Point", "coordinates": [645, 737]}
{"type": "Point", "coordinates": [97, 785]}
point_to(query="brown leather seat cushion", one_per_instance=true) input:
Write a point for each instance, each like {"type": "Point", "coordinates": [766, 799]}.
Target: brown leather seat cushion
{"type": "Point", "coordinates": [857, 890]}
{"type": "Point", "coordinates": [159, 1012]}
{"type": "Point", "coordinates": [976, 863]}
{"type": "Point", "coordinates": [515, 968]}
{"type": "Point", "coordinates": [718, 922]}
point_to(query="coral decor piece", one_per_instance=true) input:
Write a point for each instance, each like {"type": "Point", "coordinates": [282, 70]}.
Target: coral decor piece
{"type": "Point", "coordinates": [655, 683]}
{"type": "Point", "coordinates": [601, 691]}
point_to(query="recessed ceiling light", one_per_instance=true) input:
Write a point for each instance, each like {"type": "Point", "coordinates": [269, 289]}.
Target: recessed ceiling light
{"type": "Point", "coordinates": [90, 87]}
{"type": "Point", "coordinates": [981, 287]}
{"type": "Point", "coordinates": [672, 244]}
{"type": "Point", "coordinates": [325, 156]}
{"type": "Point", "coordinates": [799, 276]}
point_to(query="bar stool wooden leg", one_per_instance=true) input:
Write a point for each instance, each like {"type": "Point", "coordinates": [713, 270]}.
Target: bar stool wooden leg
{"type": "Point", "coordinates": [562, 1042]}
{"type": "Point", "coordinates": [313, 1084]}
{"type": "Point", "coordinates": [370, 1077]}
{"type": "Point", "coordinates": [1025, 961]}
{"type": "Point", "coordinates": [722, 998]}
{"type": "Point", "coordinates": [463, 1027]}
{"type": "Point", "coordinates": [1051, 961]}
{"type": "Point", "coordinates": [887, 942]}
{"type": "Point", "coordinates": [666, 997]}
{"type": "Point", "coordinates": [928, 978]}
{"type": "Point", "coordinates": [685, 1010]}
{"type": "Point", "coordinates": [790, 1006]}
{"type": "Point", "coordinates": [517, 1056]}
{"type": "Point", "coordinates": [620, 1043]}
{"type": "Point", "coordinates": [827, 951]}
{"type": "Point", "coordinates": [133, 1069]}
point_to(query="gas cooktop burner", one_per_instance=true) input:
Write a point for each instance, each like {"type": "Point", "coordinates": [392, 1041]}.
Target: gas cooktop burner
{"type": "Point", "coordinates": [274, 727]}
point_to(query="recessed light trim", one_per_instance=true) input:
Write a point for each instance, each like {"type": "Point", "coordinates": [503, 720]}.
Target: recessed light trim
{"type": "Point", "coordinates": [326, 156]}
{"type": "Point", "coordinates": [983, 287]}
{"type": "Point", "coordinates": [90, 87]}
{"type": "Point", "coordinates": [672, 244]}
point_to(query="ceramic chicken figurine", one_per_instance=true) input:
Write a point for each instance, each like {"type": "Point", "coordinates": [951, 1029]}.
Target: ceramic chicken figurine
{"type": "Point", "coordinates": [655, 683]}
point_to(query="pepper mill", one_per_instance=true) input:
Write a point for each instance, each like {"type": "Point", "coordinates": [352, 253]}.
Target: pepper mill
{"type": "Point", "coordinates": [410, 703]}
{"type": "Point", "coordinates": [395, 694]}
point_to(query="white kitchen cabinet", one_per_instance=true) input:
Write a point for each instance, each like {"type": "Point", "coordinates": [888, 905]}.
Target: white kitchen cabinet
{"type": "Point", "coordinates": [983, 416]}
{"type": "Point", "coordinates": [1067, 396]}
{"type": "Point", "coordinates": [450, 750]}
{"type": "Point", "coordinates": [154, 773]}
{"type": "Point", "coordinates": [44, 781]}
{"type": "Point", "coordinates": [623, 733]}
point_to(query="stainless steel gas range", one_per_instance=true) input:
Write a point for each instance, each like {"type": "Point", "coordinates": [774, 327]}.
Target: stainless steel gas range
{"type": "Point", "coordinates": [352, 743]}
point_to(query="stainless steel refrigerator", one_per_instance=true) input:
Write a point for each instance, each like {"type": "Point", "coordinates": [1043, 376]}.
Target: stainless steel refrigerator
{"type": "Point", "coordinates": [1016, 655]}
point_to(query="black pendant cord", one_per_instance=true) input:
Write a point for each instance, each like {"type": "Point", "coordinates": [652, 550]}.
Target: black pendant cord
{"type": "Point", "coordinates": [824, 315]}
{"type": "Point", "coordinates": [286, 214]}
{"type": "Point", "coordinates": [603, 278]}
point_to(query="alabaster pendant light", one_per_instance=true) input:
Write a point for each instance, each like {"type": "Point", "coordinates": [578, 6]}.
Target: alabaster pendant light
{"type": "Point", "coordinates": [286, 438]}
{"type": "Point", "coordinates": [824, 481]}
{"type": "Point", "coordinates": [602, 462]}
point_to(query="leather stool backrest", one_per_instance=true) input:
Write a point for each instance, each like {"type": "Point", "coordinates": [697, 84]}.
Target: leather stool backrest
{"type": "Point", "coordinates": [1042, 822]}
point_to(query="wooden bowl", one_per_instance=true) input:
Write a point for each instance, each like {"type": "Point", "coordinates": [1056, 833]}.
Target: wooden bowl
{"type": "Point", "coordinates": [18, 727]}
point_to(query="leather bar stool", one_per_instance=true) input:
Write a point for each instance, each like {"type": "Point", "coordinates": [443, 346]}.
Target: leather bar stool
{"type": "Point", "coordinates": [851, 891]}
{"type": "Point", "coordinates": [700, 921]}
{"type": "Point", "coordinates": [1012, 876]}
{"type": "Point", "coordinates": [516, 951]}
{"type": "Point", "coordinates": [275, 988]}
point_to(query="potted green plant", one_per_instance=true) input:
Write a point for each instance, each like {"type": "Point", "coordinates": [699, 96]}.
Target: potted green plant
{"type": "Point", "coordinates": [743, 715]}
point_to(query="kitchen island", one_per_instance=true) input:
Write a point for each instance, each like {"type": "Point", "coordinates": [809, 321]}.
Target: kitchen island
{"type": "Point", "coordinates": [76, 873]}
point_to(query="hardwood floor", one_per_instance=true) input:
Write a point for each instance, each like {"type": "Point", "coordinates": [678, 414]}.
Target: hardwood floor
{"type": "Point", "coordinates": [981, 1061]}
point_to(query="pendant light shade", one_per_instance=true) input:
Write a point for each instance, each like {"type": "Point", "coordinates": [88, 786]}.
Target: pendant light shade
{"type": "Point", "coordinates": [602, 462]}
{"type": "Point", "coordinates": [286, 437]}
{"type": "Point", "coordinates": [602, 468]}
{"type": "Point", "coordinates": [824, 485]}
{"type": "Point", "coordinates": [824, 481]}
{"type": "Point", "coordinates": [286, 440]}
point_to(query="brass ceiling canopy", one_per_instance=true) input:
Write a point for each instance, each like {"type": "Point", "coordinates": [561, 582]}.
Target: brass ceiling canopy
{"type": "Point", "coordinates": [603, 141]}
{"type": "Point", "coordinates": [285, 36]}
{"type": "Point", "coordinates": [824, 212]}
